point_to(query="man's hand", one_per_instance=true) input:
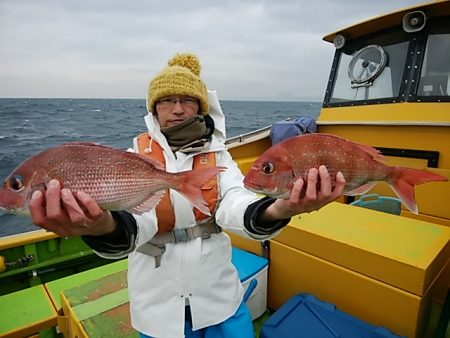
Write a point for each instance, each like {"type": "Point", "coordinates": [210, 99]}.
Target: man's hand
{"type": "Point", "coordinates": [312, 200]}
{"type": "Point", "coordinates": [66, 214]}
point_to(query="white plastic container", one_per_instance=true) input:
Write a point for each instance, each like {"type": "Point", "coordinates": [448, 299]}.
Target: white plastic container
{"type": "Point", "coordinates": [251, 268]}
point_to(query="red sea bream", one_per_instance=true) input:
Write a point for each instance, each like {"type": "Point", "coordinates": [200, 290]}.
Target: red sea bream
{"type": "Point", "coordinates": [116, 179]}
{"type": "Point", "coordinates": [275, 171]}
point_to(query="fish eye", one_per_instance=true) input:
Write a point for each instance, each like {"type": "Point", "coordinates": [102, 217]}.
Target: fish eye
{"type": "Point", "coordinates": [268, 168]}
{"type": "Point", "coordinates": [16, 182]}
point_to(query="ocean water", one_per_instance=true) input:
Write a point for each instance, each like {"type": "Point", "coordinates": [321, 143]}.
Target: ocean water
{"type": "Point", "coordinates": [28, 126]}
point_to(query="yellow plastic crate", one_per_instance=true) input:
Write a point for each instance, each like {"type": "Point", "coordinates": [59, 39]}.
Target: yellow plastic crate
{"type": "Point", "coordinates": [379, 267]}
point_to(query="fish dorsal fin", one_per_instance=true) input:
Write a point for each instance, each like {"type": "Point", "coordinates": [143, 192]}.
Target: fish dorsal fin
{"type": "Point", "coordinates": [148, 204]}
{"type": "Point", "coordinates": [374, 153]}
{"type": "Point", "coordinates": [155, 163]}
{"type": "Point", "coordinates": [81, 143]}
{"type": "Point", "coordinates": [89, 144]}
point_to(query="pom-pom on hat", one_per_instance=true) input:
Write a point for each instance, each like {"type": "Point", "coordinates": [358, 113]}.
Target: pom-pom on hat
{"type": "Point", "coordinates": [181, 77]}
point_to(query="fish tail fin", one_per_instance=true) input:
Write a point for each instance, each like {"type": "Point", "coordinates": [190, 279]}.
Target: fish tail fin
{"type": "Point", "coordinates": [191, 185]}
{"type": "Point", "coordinates": [403, 181]}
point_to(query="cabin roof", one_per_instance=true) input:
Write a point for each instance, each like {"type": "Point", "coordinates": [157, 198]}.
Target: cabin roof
{"type": "Point", "coordinates": [431, 9]}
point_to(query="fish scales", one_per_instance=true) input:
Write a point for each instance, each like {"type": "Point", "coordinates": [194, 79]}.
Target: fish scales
{"type": "Point", "coordinates": [336, 155]}
{"type": "Point", "coordinates": [106, 177]}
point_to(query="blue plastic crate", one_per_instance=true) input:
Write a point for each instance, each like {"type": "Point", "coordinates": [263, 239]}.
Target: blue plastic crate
{"type": "Point", "coordinates": [387, 204]}
{"type": "Point", "coordinates": [247, 264]}
{"type": "Point", "coordinates": [305, 316]}
{"type": "Point", "coordinates": [252, 270]}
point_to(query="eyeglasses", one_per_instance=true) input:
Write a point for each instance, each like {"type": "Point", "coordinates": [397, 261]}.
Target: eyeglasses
{"type": "Point", "coordinates": [186, 102]}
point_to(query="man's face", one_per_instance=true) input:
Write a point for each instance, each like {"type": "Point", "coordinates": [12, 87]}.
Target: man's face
{"type": "Point", "coordinates": [172, 110]}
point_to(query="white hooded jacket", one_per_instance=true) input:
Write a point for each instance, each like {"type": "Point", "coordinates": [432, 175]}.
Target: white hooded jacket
{"type": "Point", "coordinates": [198, 272]}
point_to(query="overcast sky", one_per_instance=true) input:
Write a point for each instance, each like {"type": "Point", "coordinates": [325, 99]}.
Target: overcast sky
{"type": "Point", "coordinates": [249, 49]}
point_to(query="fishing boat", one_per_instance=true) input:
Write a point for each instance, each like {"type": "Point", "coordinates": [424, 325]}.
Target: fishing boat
{"type": "Point", "coordinates": [389, 87]}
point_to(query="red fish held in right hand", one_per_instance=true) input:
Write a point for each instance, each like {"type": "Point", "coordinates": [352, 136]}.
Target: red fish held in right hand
{"type": "Point", "coordinates": [275, 171]}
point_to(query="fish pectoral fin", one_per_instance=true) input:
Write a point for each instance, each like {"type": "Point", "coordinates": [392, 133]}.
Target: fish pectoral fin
{"type": "Point", "coordinates": [148, 204]}
{"type": "Point", "coordinates": [361, 190]}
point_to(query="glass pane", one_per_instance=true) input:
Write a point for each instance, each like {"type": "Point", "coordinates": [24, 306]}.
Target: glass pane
{"type": "Point", "coordinates": [435, 75]}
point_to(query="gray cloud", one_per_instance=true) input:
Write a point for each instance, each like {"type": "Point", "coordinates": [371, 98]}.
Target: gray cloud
{"type": "Point", "coordinates": [249, 49]}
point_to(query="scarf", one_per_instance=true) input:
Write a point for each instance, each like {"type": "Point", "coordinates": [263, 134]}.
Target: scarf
{"type": "Point", "coordinates": [192, 133]}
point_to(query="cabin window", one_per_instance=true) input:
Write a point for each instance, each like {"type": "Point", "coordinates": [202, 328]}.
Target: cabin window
{"type": "Point", "coordinates": [372, 71]}
{"type": "Point", "coordinates": [435, 74]}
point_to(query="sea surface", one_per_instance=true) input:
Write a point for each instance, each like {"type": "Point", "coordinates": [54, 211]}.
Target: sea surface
{"type": "Point", "coordinates": [28, 126]}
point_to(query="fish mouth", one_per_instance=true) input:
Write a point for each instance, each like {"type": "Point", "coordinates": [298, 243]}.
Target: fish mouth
{"type": "Point", "coordinates": [15, 211]}
{"type": "Point", "coordinates": [5, 209]}
{"type": "Point", "coordinates": [262, 190]}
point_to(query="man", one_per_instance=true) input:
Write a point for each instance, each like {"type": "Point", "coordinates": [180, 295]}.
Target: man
{"type": "Point", "coordinates": [181, 279]}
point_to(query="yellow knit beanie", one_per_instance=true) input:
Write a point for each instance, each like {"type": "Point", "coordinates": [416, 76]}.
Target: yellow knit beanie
{"type": "Point", "coordinates": [181, 77]}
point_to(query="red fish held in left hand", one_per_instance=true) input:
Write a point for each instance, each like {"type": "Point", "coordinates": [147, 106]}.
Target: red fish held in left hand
{"type": "Point", "coordinates": [116, 179]}
{"type": "Point", "coordinates": [275, 171]}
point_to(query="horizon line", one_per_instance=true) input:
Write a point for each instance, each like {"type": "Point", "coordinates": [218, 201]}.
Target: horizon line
{"type": "Point", "coordinates": [129, 98]}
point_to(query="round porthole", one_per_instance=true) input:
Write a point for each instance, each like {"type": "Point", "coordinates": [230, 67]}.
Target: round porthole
{"type": "Point", "coordinates": [366, 65]}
